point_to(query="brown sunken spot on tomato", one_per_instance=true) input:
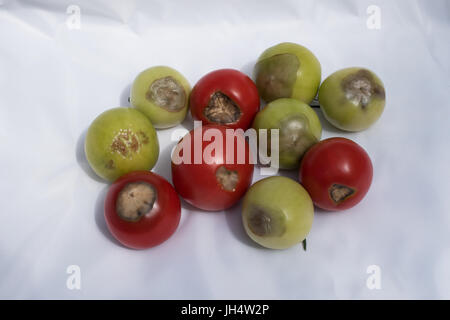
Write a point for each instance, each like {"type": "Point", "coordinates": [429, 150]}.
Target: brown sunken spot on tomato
{"type": "Point", "coordinates": [228, 179]}
{"type": "Point", "coordinates": [167, 93]}
{"type": "Point", "coordinates": [134, 144]}
{"type": "Point", "coordinates": [296, 136]}
{"type": "Point", "coordinates": [110, 165]}
{"type": "Point", "coordinates": [222, 109]}
{"type": "Point", "coordinates": [144, 137]}
{"type": "Point", "coordinates": [340, 193]}
{"type": "Point", "coordinates": [276, 76]}
{"type": "Point", "coordinates": [360, 87]}
{"type": "Point", "coordinates": [266, 223]}
{"type": "Point", "coordinates": [126, 143]}
{"type": "Point", "coordinates": [135, 200]}
{"type": "Point", "coordinates": [119, 146]}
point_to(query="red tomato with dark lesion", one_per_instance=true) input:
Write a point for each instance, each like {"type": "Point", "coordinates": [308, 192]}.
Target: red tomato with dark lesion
{"type": "Point", "coordinates": [210, 178]}
{"type": "Point", "coordinates": [142, 209]}
{"type": "Point", "coordinates": [337, 173]}
{"type": "Point", "coordinates": [225, 97]}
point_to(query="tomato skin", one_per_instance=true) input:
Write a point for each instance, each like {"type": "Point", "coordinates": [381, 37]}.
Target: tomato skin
{"type": "Point", "coordinates": [336, 161]}
{"type": "Point", "coordinates": [197, 183]}
{"type": "Point", "coordinates": [233, 83]}
{"type": "Point", "coordinates": [155, 227]}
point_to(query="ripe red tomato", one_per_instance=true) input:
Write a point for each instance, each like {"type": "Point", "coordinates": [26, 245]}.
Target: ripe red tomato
{"type": "Point", "coordinates": [337, 173]}
{"type": "Point", "coordinates": [208, 173]}
{"type": "Point", "coordinates": [142, 209]}
{"type": "Point", "coordinates": [227, 97]}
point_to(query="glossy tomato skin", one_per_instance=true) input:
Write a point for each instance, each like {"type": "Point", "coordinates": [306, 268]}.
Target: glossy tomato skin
{"type": "Point", "coordinates": [234, 84]}
{"type": "Point", "coordinates": [198, 184]}
{"type": "Point", "coordinates": [336, 163]}
{"type": "Point", "coordinates": [153, 228]}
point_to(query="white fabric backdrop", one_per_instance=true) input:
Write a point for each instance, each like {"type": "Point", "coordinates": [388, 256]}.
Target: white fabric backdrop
{"type": "Point", "coordinates": [54, 80]}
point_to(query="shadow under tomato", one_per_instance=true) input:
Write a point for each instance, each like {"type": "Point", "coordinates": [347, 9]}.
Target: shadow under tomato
{"type": "Point", "coordinates": [233, 217]}
{"type": "Point", "coordinates": [292, 174]}
{"type": "Point", "coordinates": [248, 69]}
{"type": "Point", "coordinates": [163, 166]}
{"type": "Point", "coordinates": [318, 210]}
{"type": "Point", "coordinates": [81, 158]}
{"type": "Point", "coordinates": [124, 98]}
{"type": "Point", "coordinates": [189, 207]}
{"type": "Point", "coordinates": [100, 217]}
{"type": "Point", "coordinates": [327, 126]}
{"type": "Point", "coordinates": [188, 122]}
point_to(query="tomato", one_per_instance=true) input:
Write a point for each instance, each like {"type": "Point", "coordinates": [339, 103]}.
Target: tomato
{"type": "Point", "coordinates": [337, 173]}
{"type": "Point", "coordinates": [298, 126]}
{"type": "Point", "coordinates": [161, 93]}
{"type": "Point", "coordinates": [226, 97]}
{"type": "Point", "coordinates": [142, 209]}
{"type": "Point", "coordinates": [287, 70]}
{"type": "Point", "coordinates": [121, 140]}
{"type": "Point", "coordinates": [277, 212]}
{"type": "Point", "coordinates": [208, 173]}
{"type": "Point", "coordinates": [352, 99]}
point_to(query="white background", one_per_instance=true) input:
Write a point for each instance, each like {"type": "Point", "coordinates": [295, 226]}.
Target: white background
{"type": "Point", "coordinates": [55, 80]}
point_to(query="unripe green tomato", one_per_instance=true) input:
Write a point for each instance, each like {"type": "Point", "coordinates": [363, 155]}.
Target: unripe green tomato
{"type": "Point", "coordinates": [352, 99]}
{"type": "Point", "coordinates": [287, 70]}
{"type": "Point", "coordinates": [277, 212]}
{"type": "Point", "coordinates": [119, 141]}
{"type": "Point", "coordinates": [298, 125]}
{"type": "Point", "coordinates": [162, 94]}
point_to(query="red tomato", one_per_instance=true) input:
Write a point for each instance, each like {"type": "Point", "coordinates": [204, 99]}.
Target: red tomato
{"type": "Point", "coordinates": [212, 182]}
{"type": "Point", "coordinates": [227, 97]}
{"type": "Point", "coordinates": [337, 173]}
{"type": "Point", "coordinates": [142, 209]}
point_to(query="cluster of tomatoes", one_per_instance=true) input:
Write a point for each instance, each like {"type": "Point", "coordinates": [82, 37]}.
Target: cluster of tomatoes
{"type": "Point", "coordinates": [212, 171]}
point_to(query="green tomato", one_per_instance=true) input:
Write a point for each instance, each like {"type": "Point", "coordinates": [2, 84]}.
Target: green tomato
{"type": "Point", "coordinates": [352, 99]}
{"type": "Point", "coordinates": [162, 94]}
{"type": "Point", "coordinates": [287, 70]}
{"type": "Point", "coordinates": [298, 125]}
{"type": "Point", "coordinates": [119, 141]}
{"type": "Point", "coordinates": [277, 212]}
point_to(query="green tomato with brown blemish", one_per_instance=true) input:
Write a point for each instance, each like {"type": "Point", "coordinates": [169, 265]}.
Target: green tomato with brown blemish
{"type": "Point", "coordinates": [119, 141]}
{"type": "Point", "coordinates": [287, 70]}
{"type": "Point", "coordinates": [277, 212]}
{"type": "Point", "coordinates": [352, 99]}
{"type": "Point", "coordinates": [298, 127]}
{"type": "Point", "coordinates": [162, 94]}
